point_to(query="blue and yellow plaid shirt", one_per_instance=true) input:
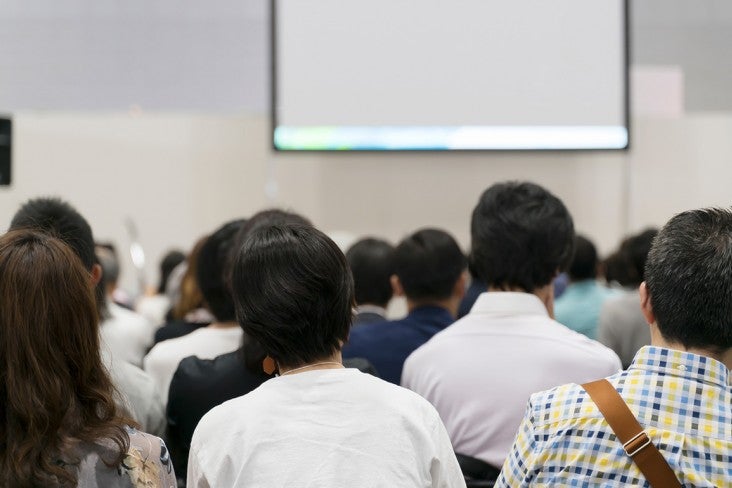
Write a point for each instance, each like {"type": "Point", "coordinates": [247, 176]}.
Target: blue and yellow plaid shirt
{"type": "Point", "coordinates": [683, 400]}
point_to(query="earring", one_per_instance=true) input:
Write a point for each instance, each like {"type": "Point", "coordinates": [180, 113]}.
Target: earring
{"type": "Point", "coordinates": [269, 365]}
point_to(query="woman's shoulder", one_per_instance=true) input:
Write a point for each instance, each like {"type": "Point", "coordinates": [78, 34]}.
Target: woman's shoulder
{"type": "Point", "coordinates": [147, 462]}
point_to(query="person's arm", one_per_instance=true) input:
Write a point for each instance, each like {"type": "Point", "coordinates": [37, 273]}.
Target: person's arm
{"type": "Point", "coordinates": [195, 478]}
{"type": "Point", "coordinates": [518, 470]}
{"type": "Point", "coordinates": [444, 470]}
{"type": "Point", "coordinates": [145, 450]}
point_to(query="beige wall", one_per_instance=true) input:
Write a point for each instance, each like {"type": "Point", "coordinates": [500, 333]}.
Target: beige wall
{"type": "Point", "coordinates": [180, 175]}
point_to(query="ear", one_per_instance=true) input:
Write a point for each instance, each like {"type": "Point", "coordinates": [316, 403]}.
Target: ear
{"type": "Point", "coordinates": [461, 285]}
{"type": "Point", "coordinates": [396, 286]}
{"type": "Point", "coordinates": [645, 303]}
{"type": "Point", "coordinates": [96, 274]}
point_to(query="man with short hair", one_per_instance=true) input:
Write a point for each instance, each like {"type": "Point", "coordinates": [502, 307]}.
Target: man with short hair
{"type": "Point", "coordinates": [579, 306]}
{"type": "Point", "coordinates": [372, 264]}
{"type": "Point", "coordinates": [678, 388]}
{"type": "Point", "coordinates": [430, 273]}
{"type": "Point", "coordinates": [480, 371]}
{"type": "Point", "coordinates": [54, 216]}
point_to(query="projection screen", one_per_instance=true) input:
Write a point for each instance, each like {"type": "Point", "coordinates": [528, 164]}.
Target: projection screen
{"type": "Point", "coordinates": [459, 75]}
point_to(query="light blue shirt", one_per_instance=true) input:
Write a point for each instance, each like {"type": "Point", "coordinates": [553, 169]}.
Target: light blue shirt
{"type": "Point", "coordinates": [579, 306]}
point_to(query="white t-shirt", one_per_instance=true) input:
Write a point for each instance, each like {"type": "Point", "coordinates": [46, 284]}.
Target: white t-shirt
{"type": "Point", "coordinates": [324, 428]}
{"type": "Point", "coordinates": [127, 334]}
{"type": "Point", "coordinates": [480, 372]}
{"type": "Point", "coordinates": [205, 343]}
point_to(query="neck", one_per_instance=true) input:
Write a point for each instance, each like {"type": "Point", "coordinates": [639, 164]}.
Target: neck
{"type": "Point", "coordinates": [450, 304]}
{"type": "Point", "coordinates": [334, 361]}
{"type": "Point", "coordinates": [545, 294]}
{"type": "Point", "coordinates": [223, 325]}
{"type": "Point", "coordinates": [657, 339]}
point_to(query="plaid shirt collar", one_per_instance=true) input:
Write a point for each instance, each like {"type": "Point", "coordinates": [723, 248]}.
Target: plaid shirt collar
{"type": "Point", "coordinates": [682, 364]}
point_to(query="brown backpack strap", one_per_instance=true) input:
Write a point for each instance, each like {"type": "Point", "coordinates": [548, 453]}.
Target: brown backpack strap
{"type": "Point", "coordinates": [636, 442]}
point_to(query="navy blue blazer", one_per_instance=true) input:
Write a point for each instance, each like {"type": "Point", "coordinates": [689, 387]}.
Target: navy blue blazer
{"type": "Point", "coordinates": [387, 344]}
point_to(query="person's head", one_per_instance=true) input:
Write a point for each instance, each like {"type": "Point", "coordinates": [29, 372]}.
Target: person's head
{"type": "Point", "coordinates": [636, 249]}
{"type": "Point", "coordinates": [521, 237]}
{"type": "Point", "coordinates": [429, 268]}
{"type": "Point", "coordinates": [170, 260]}
{"type": "Point", "coordinates": [372, 265]}
{"type": "Point", "coordinates": [688, 280]}
{"type": "Point", "coordinates": [54, 390]}
{"type": "Point", "coordinates": [56, 217]}
{"type": "Point", "coordinates": [110, 268]}
{"type": "Point", "coordinates": [213, 269]}
{"type": "Point", "coordinates": [585, 261]}
{"type": "Point", "coordinates": [293, 292]}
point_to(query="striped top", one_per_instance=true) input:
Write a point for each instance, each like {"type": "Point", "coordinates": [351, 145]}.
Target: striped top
{"type": "Point", "coordinates": [683, 400]}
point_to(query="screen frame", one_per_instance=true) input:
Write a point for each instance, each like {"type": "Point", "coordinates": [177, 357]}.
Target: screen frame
{"type": "Point", "coordinates": [273, 107]}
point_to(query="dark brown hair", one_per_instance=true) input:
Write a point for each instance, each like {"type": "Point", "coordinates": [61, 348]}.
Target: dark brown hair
{"type": "Point", "coordinates": [55, 394]}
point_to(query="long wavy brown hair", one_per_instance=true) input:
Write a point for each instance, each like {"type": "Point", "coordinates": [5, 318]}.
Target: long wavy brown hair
{"type": "Point", "coordinates": [55, 394]}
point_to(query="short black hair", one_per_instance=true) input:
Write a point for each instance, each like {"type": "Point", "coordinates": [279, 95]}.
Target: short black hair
{"type": "Point", "coordinates": [213, 270]}
{"type": "Point", "coordinates": [56, 217]}
{"type": "Point", "coordinates": [689, 279]}
{"type": "Point", "coordinates": [636, 249]}
{"type": "Point", "coordinates": [293, 292]}
{"type": "Point", "coordinates": [428, 264]}
{"type": "Point", "coordinates": [584, 262]}
{"type": "Point", "coordinates": [522, 235]}
{"type": "Point", "coordinates": [372, 264]}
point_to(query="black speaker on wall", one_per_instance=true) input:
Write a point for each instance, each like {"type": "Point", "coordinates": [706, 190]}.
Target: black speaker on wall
{"type": "Point", "coordinates": [6, 150]}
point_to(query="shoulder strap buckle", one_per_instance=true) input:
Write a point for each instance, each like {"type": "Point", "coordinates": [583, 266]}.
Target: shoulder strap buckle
{"type": "Point", "coordinates": [637, 443]}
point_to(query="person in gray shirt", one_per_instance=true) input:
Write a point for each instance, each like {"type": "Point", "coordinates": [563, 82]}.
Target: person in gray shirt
{"type": "Point", "coordinates": [622, 326]}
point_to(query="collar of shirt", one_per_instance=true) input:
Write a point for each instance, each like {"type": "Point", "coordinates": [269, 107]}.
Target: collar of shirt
{"type": "Point", "coordinates": [431, 314]}
{"type": "Point", "coordinates": [508, 303]}
{"type": "Point", "coordinates": [371, 309]}
{"type": "Point", "coordinates": [682, 364]}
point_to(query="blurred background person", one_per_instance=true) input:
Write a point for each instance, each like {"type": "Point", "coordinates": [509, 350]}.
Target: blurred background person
{"type": "Point", "coordinates": [372, 264]}
{"type": "Point", "coordinates": [579, 306]}
{"type": "Point", "coordinates": [622, 326]}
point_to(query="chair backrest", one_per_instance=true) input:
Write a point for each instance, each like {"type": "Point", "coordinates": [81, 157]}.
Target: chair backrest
{"type": "Point", "coordinates": [477, 473]}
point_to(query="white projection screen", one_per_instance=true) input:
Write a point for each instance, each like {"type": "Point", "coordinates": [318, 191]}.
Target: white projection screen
{"type": "Point", "coordinates": [459, 75]}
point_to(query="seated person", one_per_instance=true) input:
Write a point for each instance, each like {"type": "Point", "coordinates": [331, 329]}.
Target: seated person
{"type": "Point", "coordinates": [318, 423]}
{"type": "Point", "coordinates": [678, 388]}
{"type": "Point", "coordinates": [189, 312]}
{"type": "Point", "coordinates": [622, 326]}
{"type": "Point", "coordinates": [222, 336]}
{"type": "Point", "coordinates": [579, 306]}
{"type": "Point", "coordinates": [127, 334]}
{"type": "Point", "coordinates": [372, 264]}
{"type": "Point", "coordinates": [60, 425]}
{"type": "Point", "coordinates": [430, 272]}
{"type": "Point", "coordinates": [155, 304]}
{"type": "Point", "coordinates": [479, 372]}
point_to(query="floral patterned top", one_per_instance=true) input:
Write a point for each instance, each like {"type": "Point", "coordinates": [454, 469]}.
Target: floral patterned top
{"type": "Point", "coordinates": [146, 465]}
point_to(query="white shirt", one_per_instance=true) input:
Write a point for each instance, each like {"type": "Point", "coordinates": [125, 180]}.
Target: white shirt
{"type": "Point", "coordinates": [480, 371]}
{"type": "Point", "coordinates": [127, 334]}
{"type": "Point", "coordinates": [138, 395]}
{"type": "Point", "coordinates": [205, 343]}
{"type": "Point", "coordinates": [324, 428]}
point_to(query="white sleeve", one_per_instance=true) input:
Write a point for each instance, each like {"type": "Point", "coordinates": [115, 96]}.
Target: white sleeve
{"type": "Point", "coordinates": [195, 478]}
{"type": "Point", "coordinates": [444, 470]}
